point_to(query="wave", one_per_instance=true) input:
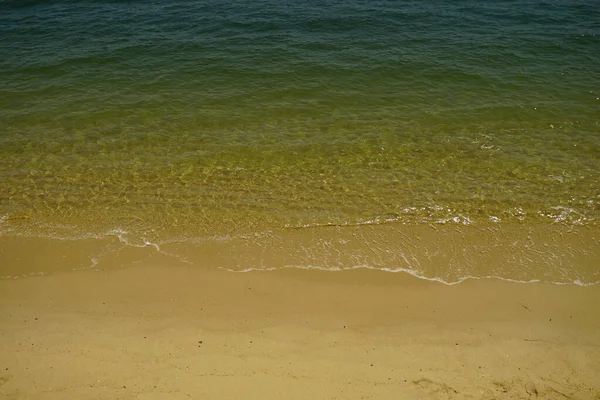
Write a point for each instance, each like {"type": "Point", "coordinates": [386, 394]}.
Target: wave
{"type": "Point", "coordinates": [449, 252]}
{"type": "Point", "coordinates": [575, 282]}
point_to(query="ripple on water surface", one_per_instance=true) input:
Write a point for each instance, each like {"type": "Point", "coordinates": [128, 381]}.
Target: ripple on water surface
{"type": "Point", "coordinates": [189, 121]}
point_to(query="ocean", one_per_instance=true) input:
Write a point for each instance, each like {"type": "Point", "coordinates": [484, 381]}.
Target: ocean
{"type": "Point", "coordinates": [445, 139]}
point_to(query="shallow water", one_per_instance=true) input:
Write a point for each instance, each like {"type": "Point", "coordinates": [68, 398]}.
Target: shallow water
{"type": "Point", "coordinates": [183, 122]}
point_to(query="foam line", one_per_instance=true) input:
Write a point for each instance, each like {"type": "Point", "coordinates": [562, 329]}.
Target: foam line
{"type": "Point", "coordinates": [576, 282]}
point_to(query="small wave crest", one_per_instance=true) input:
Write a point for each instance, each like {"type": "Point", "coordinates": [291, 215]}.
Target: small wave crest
{"type": "Point", "coordinates": [449, 251]}
{"type": "Point", "coordinates": [410, 272]}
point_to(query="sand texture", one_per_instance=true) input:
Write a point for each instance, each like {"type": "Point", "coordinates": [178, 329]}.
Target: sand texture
{"type": "Point", "coordinates": [156, 331]}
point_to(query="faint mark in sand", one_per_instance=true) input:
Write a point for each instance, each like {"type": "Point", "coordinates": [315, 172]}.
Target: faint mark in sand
{"type": "Point", "coordinates": [519, 389]}
{"type": "Point", "coordinates": [502, 387]}
{"type": "Point", "coordinates": [3, 380]}
{"type": "Point", "coordinates": [513, 389]}
{"type": "Point", "coordinates": [525, 307]}
{"type": "Point", "coordinates": [436, 389]}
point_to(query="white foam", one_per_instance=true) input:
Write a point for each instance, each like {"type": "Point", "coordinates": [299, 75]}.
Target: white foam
{"type": "Point", "coordinates": [411, 272]}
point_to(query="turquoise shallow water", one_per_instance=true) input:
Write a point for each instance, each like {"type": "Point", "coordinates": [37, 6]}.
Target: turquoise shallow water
{"type": "Point", "coordinates": [187, 120]}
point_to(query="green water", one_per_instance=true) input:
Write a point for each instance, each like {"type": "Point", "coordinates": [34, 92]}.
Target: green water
{"type": "Point", "coordinates": [344, 171]}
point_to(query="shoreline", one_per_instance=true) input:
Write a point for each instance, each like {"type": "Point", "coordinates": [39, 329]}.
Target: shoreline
{"type": "Point", "coordinates": [448, 254]}
{"type": "Point", "coordinates": [156, 330]}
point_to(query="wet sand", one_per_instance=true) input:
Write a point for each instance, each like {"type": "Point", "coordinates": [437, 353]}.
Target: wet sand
{"type": "Point", "coordinates": [155, 330]}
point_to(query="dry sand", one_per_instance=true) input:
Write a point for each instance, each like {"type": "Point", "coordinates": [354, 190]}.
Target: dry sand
{"type": "Point", "coordinates": [159, 331]}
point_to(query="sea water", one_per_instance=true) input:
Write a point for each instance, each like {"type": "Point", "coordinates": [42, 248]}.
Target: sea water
{"type": "Point", "coordinates": [448, 139]}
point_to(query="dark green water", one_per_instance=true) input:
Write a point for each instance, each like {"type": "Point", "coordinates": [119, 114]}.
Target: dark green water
{"type": "Point", "coordinates": [189, 120]}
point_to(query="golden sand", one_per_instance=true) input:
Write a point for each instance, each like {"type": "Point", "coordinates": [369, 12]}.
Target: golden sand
{"type": "Point", "coordinates": [159, 331]}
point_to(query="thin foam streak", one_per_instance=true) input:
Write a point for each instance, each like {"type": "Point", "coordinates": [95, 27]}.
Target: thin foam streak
{"type": "Point", "coordinates": [576, 282]}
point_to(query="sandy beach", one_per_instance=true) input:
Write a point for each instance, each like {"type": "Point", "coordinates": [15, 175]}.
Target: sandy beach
{"type": "Point", "coordinates": [299, 200]}
{"type": "Point", "coordinates": [164, 331]}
